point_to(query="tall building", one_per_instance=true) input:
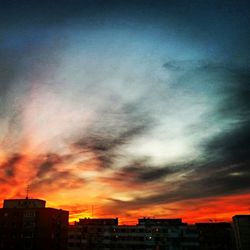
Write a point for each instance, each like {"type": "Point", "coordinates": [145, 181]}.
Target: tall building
{"type": "Point", "coordinates": [28, 224]}
{"type": "Point", "coordinates": [241, 224]}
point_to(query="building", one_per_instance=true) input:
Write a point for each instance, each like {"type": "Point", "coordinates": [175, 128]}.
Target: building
{"type": "Point", "coordinates": [216, 236]}
{"type": "Point", "coordinates": [91, 234]}
{"type": "Point", "coordinates": [148, 234]}
{"type": "Point", "coordinates": [160, 222]}
{"type": "Point", "coordinates": [171, 234]}
{"type": "Point", "coordinates": [241, 225]}
{"type": "Point", "coordinates": [75, 238]}
{"type": "Point", "coordinates": [28, 224]}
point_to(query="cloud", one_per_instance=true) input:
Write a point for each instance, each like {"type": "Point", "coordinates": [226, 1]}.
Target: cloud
{"type": "Point", "coordinates": [112, 131]}
{"type": "Point", "coordinates": [172, 65]}
{"type": "Point", "coordinates": [57, 180]}
{"type": "Point", "coordinates": [147, 174]}
{"type": "Point", "coordinates": [48, 163]}
{"type": "Point", "coordinates": [223, 168]}
{"type": "Point", "coordinates": [9, 166]}
{"type": "Point", "coordinates": [201, 183]}
{"type": "Point", "coordinates": [9, 72]}
{"type": "Point", "coordinates": [140, 172]}
{"type": "Point", "coordinates": [232, 144]}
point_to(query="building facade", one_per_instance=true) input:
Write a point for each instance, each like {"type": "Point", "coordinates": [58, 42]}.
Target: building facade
{"type": "Point", "coordinates": [28, 224]}
{"type": "Point", "coordinates": [148, 234]}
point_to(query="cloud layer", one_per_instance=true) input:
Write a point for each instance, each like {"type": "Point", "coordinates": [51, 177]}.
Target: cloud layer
{"type": "Point", "coordinates": [129, 113]}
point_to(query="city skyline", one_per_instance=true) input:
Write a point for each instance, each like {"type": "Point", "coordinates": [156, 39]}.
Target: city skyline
{"type": "Point", "coordinates": [127, 108]}
{"type": "Point", "coordinates": [29, 204]}
{"type": "Point", "coordinates": [33, 225]}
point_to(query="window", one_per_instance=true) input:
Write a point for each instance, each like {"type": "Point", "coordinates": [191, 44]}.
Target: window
{"type": "Point", "coordinates": [28, 235]}
{"type": "Point", "coordinates": [29, 214]}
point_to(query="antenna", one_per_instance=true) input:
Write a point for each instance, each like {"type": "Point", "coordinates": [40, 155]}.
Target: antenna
{"type": "Point", "coordinates": [27, 192]}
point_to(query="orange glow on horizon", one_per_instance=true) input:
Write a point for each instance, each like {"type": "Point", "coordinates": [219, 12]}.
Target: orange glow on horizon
{"type": "Point", "coordinates": [216, 209]}
{"type": "Point", "coordinates": [77, 195]}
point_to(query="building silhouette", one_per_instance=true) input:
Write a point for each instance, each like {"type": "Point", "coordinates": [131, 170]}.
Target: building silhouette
{"type": "Point", "coordinates": [216, 236]}
{"type": "Point", "coordinates": [91, 234]}
{"type": "Point", "coordinates": [148, 234]}
{"type": "Point", "coordinates": [28, 224]}
{"type": "Point", "coordinates": [241, 224]}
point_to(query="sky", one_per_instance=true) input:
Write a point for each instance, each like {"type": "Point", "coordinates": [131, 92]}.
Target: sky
{"type": "Point", "coordinates": [127, 108]}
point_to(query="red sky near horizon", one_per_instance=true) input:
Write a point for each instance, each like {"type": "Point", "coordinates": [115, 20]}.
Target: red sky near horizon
{"type": "Point", "coordinates": [89, 199]}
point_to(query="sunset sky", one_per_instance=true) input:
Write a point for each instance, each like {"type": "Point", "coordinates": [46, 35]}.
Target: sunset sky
{"type": "Point", "coordinates": [132, 108]}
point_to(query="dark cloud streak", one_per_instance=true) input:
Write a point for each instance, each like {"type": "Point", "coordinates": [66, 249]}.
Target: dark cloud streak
{"type": "Point", "coordinates": [225, 168]}
{"type": "Point", "coordinates": [105, 141]}
{"type": "Point", "coordinates": [11, 164]}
